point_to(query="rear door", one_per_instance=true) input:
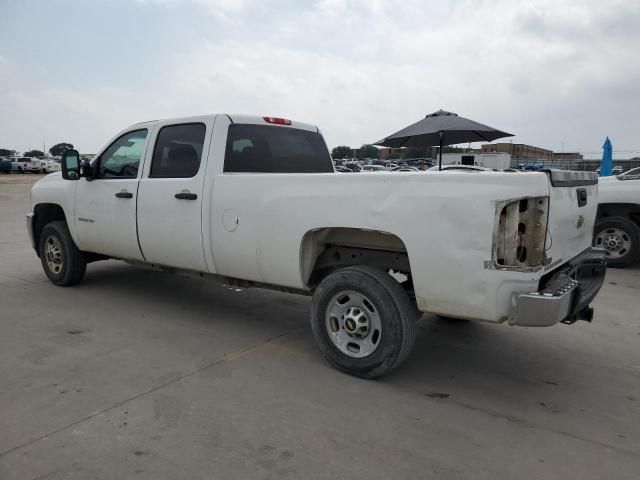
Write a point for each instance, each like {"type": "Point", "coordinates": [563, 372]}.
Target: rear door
{"type": "Point", "coordinates": [171, 192]}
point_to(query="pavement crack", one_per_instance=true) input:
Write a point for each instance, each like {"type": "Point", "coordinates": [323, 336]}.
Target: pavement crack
{"type": "Point", "coordinates": [225, 358]}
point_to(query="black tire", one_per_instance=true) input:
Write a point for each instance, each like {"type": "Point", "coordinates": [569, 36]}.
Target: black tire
{"type": "Point", "coordinates": [20, 170]}
{"type": "Point", "coordinates": [622, 231]}
{"type": "Point", "coordinates": [73, 263]}
{"type": "Point", "coordinates": [395, 311]}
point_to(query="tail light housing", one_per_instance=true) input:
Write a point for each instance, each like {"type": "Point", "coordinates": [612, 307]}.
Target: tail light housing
{"type": "Point", "coordinates": [521, 232]}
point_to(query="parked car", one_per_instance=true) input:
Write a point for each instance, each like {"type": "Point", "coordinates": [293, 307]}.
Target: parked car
{"type": "Point", "coordinates": [354, 167]}
{"type": "Point", "coordinates": [5, 165]}
{"type": "Point", "coordinates": [22, 165]}
{"type": "Point", "coordinates": [374, 168]}
{"type": "Point", "coordinates": [614, 171]}
{"type": "Point", "coordinates": [45, 165]}
{"type": "Point", "coordinates": [406, 169]}
{"type": "Point", "coordinates": [617, 226]}
{"type": "Point", "coordinates": [459, 168]}
{"type": "Point", "coordinates": [215, 195]}
{"type": "Point", "coordinates": [342, 169]}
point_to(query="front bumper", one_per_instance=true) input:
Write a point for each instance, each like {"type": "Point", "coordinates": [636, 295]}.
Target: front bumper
{"type": "Point", "coordinates": [564, 294]}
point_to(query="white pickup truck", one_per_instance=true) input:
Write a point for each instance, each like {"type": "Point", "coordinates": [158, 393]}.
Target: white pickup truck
{"type": "Point", "coordinates": [618, 221]}
{"type": "Point", "coordinates": [255, 202]}
{"type": "Point", "coordinates": [23, 165]}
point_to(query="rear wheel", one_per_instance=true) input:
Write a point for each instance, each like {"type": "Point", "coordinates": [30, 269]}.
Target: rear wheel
{"type": "Point", "coordinates": [363, 321]}
{"type": "Point", "coordinates": [61, 260]}
{"type": "Point", "coordinates": [620, 237]}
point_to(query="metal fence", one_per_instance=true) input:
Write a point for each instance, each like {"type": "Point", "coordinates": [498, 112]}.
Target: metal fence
{"type": "Point", "coordinates": [588, 165]}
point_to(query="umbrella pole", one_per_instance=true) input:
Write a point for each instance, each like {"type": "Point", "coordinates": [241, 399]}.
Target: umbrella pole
{"type": "Point", "coordinates": [440, 153]}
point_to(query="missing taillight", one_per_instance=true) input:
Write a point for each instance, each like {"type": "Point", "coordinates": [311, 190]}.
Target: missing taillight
{"type": "Point", "coordinates": [523, 205]}
{"type": "Point", "coordinates": [521, 233]}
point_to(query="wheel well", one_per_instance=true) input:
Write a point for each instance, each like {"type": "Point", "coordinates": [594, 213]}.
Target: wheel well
{"type": "Point", "coordinates": [43, 214]}
{"type": "Point", "coordinates": [630, 211]}
{"type": "Point", "coordinates": [327, 249]}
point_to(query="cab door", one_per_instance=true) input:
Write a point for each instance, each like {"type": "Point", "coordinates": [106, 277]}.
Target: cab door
{"type": "Point", "coordinates": [105, 206]}
{"type": "Point", "coordinates": [170, 195]}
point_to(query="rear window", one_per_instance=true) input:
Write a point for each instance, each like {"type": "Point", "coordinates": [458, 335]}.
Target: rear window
{"type": "Point", "coordinates": [272, 149]}
{"type": "Point", "coordinates": [178, 151]}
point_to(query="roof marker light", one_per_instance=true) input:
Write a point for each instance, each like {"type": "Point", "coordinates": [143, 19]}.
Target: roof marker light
{"type": "Point", "coordinates": [277, 121]}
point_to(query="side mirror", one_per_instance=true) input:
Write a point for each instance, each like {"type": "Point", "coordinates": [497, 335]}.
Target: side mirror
{"type": "Point", "coordinates": [70, 163]}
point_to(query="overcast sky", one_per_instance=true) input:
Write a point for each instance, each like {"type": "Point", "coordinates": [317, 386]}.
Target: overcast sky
{"type": "Point", "coordinates": [552, 72]}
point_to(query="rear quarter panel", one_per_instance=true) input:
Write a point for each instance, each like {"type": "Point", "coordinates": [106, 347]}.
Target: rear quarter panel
{"type": "Point", "coordinates": [445, 220]}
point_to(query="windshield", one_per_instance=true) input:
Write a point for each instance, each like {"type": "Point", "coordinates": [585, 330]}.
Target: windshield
{"type": "Point", "coordinates": [630, 174]}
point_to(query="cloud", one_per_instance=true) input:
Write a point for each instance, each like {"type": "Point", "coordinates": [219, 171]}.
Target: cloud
{"type": "Point", "coordinates": [222, 9]}
{"type": "Point", "coordinates": [552, 72]}
{"type": "Point", "coordinates": [363, 69]}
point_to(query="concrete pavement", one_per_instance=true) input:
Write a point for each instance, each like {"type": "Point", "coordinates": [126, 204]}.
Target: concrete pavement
{"type": "Point", "coordinates": [139, 374]}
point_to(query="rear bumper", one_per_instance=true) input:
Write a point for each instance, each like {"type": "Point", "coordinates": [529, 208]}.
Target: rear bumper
{"type": "Point", "coordinates": [564, 295]}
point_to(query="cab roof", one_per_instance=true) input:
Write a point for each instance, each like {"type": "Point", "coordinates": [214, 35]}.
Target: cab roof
{"type": "Point", "coordinates": [242, 119]}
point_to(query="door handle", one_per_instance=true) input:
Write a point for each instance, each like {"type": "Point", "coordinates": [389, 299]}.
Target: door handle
{"type": "Point", "coordinates": [186, 196]}
{"type": "Point", "coordinates": [582, 197]}
{"type": "Point", "coordinates": [124, 194]}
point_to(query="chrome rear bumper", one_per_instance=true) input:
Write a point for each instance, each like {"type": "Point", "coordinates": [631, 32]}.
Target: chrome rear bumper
{"type": "Point", "coordinates": [564, 295]}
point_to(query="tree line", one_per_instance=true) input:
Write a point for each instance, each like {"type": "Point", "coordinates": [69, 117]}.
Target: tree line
{"type": "Point", "coordinates": [54, 151]}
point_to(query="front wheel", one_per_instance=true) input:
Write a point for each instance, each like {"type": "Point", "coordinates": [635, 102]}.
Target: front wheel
{"type": "Point", "coordinates": [620, 237]}
{"type": "Point", "coordinates": [61, 260]}
{"type": "Point", "coordinates": [363, 321]}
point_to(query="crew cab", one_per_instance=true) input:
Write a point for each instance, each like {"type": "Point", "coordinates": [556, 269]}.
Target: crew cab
{"type": "Point", "coordinates": [22, 165]}
{"type": "Point", "coordinates": [255, 202]}
{"type": "Point", "coordinates": [618, 220]}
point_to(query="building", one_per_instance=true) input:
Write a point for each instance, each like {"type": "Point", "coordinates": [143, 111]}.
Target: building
{"type": "Point", "coordinates": [518, 151]}
{"type": "Point", "coordinates": [488, 160]}
{"type": "Point", "coordinates": [568, 156]}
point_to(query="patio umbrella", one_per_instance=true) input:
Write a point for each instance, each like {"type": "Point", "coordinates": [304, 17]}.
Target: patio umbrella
{"type": "Point", "coordinates": [442, 128]}
{"type": "Point", "coordinates": [606, 166]}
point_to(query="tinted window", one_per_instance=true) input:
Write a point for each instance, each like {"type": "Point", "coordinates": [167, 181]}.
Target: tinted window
{"type": "Point", "coordinates": [122, 158]}
{"type": "Point", "coordinates": [272, 149]}
{"type": "Point", "coordinates": [178, 151]}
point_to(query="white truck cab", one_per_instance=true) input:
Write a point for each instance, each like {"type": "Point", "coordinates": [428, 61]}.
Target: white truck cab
{"type": "Point", "coordinates": [255, 201]}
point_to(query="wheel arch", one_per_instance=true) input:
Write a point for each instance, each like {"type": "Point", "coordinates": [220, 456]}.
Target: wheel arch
{"type": "Point", "coordinates": [630, 211]}
{"type": "Point", "coordinates": [43, 214]}
{"type": "Point", "coordinates": [324, 250]}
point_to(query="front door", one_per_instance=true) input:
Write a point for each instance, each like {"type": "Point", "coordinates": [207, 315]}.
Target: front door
{"type": "Point", "coordinates": [171, 194]}
{"type": "Point", "coordinates": [105, 207]}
